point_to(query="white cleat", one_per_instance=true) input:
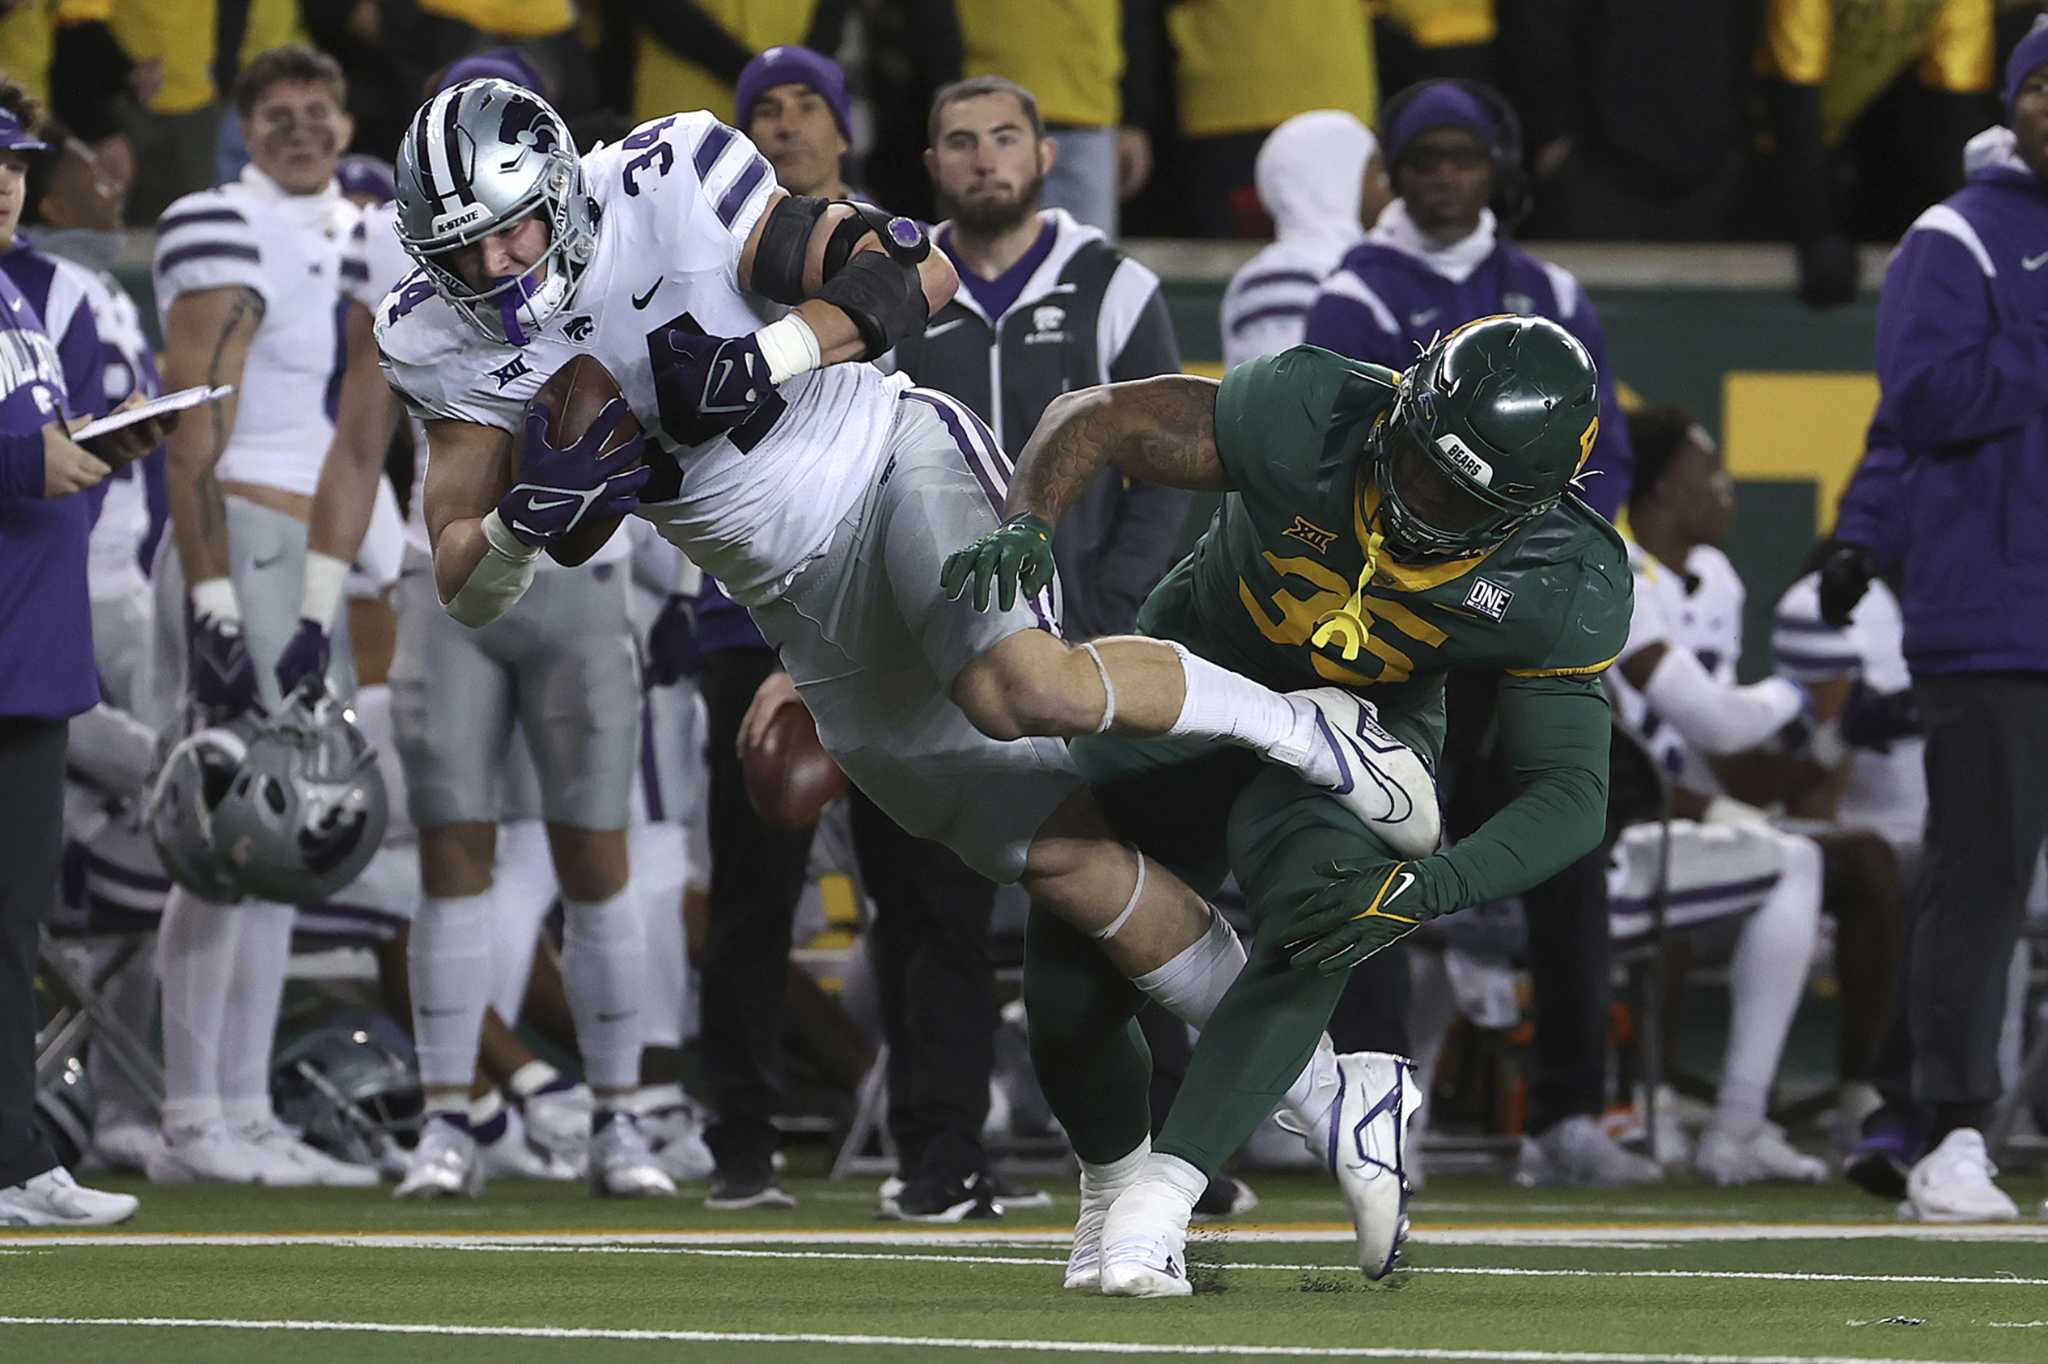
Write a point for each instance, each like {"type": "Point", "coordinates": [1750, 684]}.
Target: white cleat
{"type": "Point", "coordinates": [621, 1166]}
{"type": "Point", "coordinates": [512, 1156]}
{"type": "Point", "coordinates": [1952, 1183]}
{"type": "Point", "coordinates": [54, 1199]}
{"type": "Point", "coordinates": [1145, 1244]}
{"type": "Point", "coordinates": [1577, 1154]}
{"type": "Point", "coordinates": [1372, 774]}
{"type": "Point", "coordinates": [126, 1144]}
{"type": "Point", "coordinates": [1084, 1259]}
{"type": "Point", "coordinates": [676, 1134]}
{"type": "Point", "coordinates": [1363, 1141]}
{"type": "Point", "coordinates": [558, 1121]}
{"type": "Point", "coordinates": [211, 1154]}
{"type": "Point", "coordinates": [1763, 1157]}
{"type": "Point", "coordinates": [446, 1164]}
{"type": "Point", "coordinates": [323, 1170]}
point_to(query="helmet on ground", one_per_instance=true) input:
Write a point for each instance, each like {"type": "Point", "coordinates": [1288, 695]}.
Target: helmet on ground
{"type": "Point", "coordinates": [306, 809]}
{"type": "Point", "coordinates": [350, 1087]}
{"type": "Point", "coordinates": [479, 157]}
{"type": "Point", "coordinates": [1491, 426]}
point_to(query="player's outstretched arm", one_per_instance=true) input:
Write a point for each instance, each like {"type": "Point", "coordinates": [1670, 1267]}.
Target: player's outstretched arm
{"type": "Point", "coordinates": [1160, 431]}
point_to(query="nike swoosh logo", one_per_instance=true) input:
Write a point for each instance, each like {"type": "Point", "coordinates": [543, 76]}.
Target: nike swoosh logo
{"type": "Point", "coordinates": [642, 300]}
{"type": "Point", "coordinates": [266, 563]}
{"type": "Point", "coordinates": [1407, 880]}
{"type": "Point", "coordinates": [942, 328]}
{"type": "Point", "coordinates": [615, 1017]}
{"type": "Point", "coordinates": [1422, 318]}
{"type": "Point", "coordinates": [535, 504]}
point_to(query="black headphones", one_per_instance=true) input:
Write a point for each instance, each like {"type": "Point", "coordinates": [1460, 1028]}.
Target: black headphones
{"type": "Point", "coordinates": [1511, 201]}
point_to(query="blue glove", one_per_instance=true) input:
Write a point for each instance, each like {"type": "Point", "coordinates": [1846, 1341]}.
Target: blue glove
{"type": "Point", "coordinates": [561, 487]}
{"type": "Point", "coordinates": [1875, 720]}
{"type": "Point", "coordinates": [303, 664]}
{"type": "Point", "coordinates": [219, 671]}
{"type": "Point", "coordinates": [708, 385]}
{"type": "Point", "coordinates": [672, 652]}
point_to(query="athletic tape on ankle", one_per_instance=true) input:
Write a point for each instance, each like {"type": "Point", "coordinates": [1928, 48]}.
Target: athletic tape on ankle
{"type": "Point", "coordinates": [1137, 894]}
{"type": "Point", "coordinates": [1108, 717]}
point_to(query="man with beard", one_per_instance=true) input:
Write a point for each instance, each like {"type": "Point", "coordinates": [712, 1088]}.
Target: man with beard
{"type": "Point", "coordinates": [1046, 305]}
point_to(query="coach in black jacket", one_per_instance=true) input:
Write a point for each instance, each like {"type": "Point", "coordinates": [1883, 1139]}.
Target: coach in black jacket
{"type": "Point", "coordinates": [1046, 305]}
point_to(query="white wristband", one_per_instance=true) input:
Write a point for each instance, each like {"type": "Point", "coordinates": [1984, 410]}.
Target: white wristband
{"type": "Point", "coordinates": [320, 598]}
{"type": "Point", "coordinates": [790, 347]}
{"type": "Point", "coordinates": [214, 599]}
{"type": "Point", "coordinates": [503, 542]}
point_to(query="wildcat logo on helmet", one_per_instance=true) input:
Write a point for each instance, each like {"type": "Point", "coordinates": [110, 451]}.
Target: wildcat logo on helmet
{"type": "Point", "coordinates": [526, 124]}
{"type": "Point", "coordinates": [1460, 454]}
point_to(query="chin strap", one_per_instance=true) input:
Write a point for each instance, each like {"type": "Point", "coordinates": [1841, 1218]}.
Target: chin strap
{"type": "Point", "coordinates": [1346, 625]}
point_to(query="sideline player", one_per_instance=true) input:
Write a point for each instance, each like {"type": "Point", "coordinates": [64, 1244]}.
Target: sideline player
{"type": "Point", "coordinates": [1377, 530]}
{"type": "Point", "coordinates": [821, 494]}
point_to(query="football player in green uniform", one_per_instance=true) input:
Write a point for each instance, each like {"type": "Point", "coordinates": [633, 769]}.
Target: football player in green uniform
{"type": "Point", "coordinates": [1376, 531]}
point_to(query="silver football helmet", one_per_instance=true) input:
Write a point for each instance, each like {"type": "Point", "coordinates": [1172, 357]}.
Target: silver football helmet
{"type": "Point", "coordinates": [478, 157]}
{"type": "Point", "coordinates": [192, 779]}
{"type": "Point", "coordinates": [306, 809]}
{"type": "Point", "coordinates": [350, 1086]}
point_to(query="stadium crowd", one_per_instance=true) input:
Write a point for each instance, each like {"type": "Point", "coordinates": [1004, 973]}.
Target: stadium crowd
{"type": "Point", "coordinates": [557, 921]}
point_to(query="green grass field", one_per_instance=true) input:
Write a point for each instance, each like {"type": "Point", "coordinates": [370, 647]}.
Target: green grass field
{"type": "Point", "coordinates": [544, 1272]}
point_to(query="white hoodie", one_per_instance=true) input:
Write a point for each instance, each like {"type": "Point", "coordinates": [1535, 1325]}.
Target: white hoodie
{"type": "Point", "coordinates": [1308, 174]}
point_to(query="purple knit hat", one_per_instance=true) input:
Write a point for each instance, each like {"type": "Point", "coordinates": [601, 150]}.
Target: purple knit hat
{"type": "Point", "coordinates": [2029, 55]}
{"type": "Point", "coordinates": [790, 64]}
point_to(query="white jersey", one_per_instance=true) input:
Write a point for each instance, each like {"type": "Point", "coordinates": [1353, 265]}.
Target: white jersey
{"type": "Point", "coordinates": [112, 568]}
{"type": "Point", "coordinates": [1886, 792]}
{"type": "Point", "coordinates": [389, 267]}
{"type": "Point", "coordinates": [678, 200]}
{"type": "Point", "coordinates": [292, 251]}
{"type": "Point", "coordinates": [1698, 608]}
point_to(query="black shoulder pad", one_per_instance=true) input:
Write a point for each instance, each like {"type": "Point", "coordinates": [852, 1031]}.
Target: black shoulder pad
{"type": "Point", "coordinates": [779, 260]}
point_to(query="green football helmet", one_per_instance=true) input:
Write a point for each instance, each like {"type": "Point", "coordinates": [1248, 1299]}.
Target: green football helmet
{"type": "Point", "coordinates": [1491, 426]}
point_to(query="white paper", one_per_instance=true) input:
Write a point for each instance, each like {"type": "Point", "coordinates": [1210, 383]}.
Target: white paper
{"type": "Point", "coordinates": [156, 407]}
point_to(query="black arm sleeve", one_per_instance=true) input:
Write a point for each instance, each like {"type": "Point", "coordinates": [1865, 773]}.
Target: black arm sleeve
{"type": "Point", "coordinates": [688, 32]}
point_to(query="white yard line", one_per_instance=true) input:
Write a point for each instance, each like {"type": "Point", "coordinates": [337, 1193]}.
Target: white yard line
{"type": "Point", "coordinates": [1567, 1236]}
{"type": "Point", "coordinates": [1177, 1349]}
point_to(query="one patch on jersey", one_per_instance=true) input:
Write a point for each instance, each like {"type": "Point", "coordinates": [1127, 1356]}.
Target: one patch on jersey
{"type": "Point", "coordinates": [1460, 454]}
{"type": "Point", "coordinates": [1311, 534]}
{"type": "Point", "coordinates": [1489, 599]}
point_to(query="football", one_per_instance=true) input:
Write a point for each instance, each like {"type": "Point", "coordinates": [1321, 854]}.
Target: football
{"type": "Point", "coordinates": [572, 397]}
{"type": "Point", "coordinates": [790, 777]}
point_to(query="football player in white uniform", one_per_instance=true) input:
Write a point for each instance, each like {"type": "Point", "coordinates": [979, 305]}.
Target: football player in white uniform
{"type": "Point", "coordinates": [249, 281]}
{"type": "Point", "coordinates": [1675, 690]}
{"type": "Point", "coordinates": [823, 495]}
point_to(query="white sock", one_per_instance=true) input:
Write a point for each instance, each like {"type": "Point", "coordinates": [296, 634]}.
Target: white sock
{"type": "Point", "coordinates": [195, 953]}
{"type": "Point", "coordinates": [1189, 985]}
{"type": "Point", "coordinates": [604, 970]}
{"type": "Point", "coordinates": [1766, 977]}
{"type": "Point", "coordinates": [1301, 1109]}
{"type": "Point", "coordinates": [1176, 1174]}
{"type": "Point", "coordinates": [1111, 1178]}
{"type": "Point", "coordinates": [263, 953]}
{"type": "Point", "coordinates": [1221, 704]}
{"type": "Point", "coordinates": [524, 890]}
{"type": "Point", "coordinates": [660, 899]}
{"type": "Point", "coordinates": [449, 965]}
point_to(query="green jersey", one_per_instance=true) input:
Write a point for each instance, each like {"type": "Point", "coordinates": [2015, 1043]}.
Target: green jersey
{"type": "Point", "coordinates": [1551, 603]}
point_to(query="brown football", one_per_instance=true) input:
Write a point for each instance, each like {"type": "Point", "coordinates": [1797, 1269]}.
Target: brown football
{"type": "Point", "coordinates": [572, 397]}
{"type": "Point", "coordinates": [790, 777]}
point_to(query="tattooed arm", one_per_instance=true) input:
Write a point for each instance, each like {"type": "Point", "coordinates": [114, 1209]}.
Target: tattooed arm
{"type": "Point", "coordinates": [206, 341]}
{"type": "Point", "coordinates": [1159, 430]}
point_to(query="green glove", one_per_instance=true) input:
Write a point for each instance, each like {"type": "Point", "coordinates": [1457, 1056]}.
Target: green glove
{"type": "Point", "coordinates": [1369, 904]}
{"type": "Point", "coordinates": [1015, 556]}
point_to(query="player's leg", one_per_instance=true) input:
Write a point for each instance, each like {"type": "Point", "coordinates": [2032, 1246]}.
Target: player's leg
{"type": "Point", "coordinates": [1264, 1047]}
{"type": "Point", "coordinates": [451, 714]}
{"type": "Point", "coordinates": [577, 684]}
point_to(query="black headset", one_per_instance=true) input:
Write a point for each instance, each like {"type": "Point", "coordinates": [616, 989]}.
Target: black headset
{"type": "Point", "coordinates": [1511, 201]}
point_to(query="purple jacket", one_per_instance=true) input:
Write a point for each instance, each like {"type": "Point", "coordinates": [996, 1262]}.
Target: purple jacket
{"type": "Point", "coordinates": [46, 662]}
{"type": "Point", "coordinates": [1391, 295]}
{"type": "Point", "coordinates": [1962, 363]}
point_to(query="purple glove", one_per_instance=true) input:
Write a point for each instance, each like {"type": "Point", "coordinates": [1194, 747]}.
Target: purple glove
{"type": "Point", "coordinates": [709, 385]}
{"type": "Point", "coordinates": [303, 664]}
{"type": "Point", "coordinates": [672, 651]}
{"type": "Point", "coordinates": [562, 486]}
{"type": "Point", "coordinates": [221, 676]}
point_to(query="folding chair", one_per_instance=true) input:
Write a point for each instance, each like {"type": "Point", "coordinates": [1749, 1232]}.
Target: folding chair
{"type": "Point", "coordinates": [107, 915]}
